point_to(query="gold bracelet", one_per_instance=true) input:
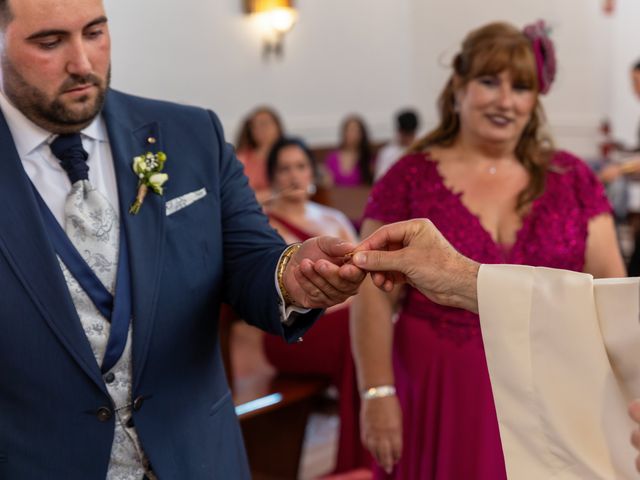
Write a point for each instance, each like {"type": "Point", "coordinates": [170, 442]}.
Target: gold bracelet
{"type": "Point", "coordinates": [380, 391]}
{"type": "Point", "coordinates": [282, 265]}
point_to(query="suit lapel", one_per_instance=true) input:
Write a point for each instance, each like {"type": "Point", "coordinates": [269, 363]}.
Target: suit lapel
{"type": "Point", "coordinates": [24, 243]}
{"type": "Point", "coordinates": [144, 231]}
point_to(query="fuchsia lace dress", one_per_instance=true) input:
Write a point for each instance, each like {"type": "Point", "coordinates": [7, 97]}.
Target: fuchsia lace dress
{"type": "Point", "coordinates": [449, 420]}
{"type": "Point", "coordinates": [340, 178]}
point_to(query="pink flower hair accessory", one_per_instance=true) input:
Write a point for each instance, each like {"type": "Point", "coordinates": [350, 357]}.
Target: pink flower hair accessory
{"type": "Point", "coordinates": [544, 53]}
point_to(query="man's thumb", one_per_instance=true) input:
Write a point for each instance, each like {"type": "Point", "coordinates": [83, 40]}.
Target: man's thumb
{"type": "Point", "coordinates": [376, 261]}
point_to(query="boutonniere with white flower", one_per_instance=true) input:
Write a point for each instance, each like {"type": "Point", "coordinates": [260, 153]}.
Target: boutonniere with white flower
{"type": "Point", "coordinates": [148, 167]}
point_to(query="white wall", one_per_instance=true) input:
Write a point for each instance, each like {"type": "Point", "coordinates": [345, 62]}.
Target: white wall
{"type": "Point", "coordinates": [624, 107]}
{"type": "Point", "coordinates": [367, 56]}
{"type": "Point", "coordinates": [209, 53]}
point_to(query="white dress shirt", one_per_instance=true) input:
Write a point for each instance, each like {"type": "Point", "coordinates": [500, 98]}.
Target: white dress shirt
{"type": "Point", "coordinates": [43, 168]}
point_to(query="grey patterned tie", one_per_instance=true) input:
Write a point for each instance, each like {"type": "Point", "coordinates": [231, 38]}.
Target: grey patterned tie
{"type": "Point", "coordinates": [91, 223]}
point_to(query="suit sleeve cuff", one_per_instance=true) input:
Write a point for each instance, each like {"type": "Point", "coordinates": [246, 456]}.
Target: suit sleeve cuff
{"type": "Point", "coordinates": [288, 313]}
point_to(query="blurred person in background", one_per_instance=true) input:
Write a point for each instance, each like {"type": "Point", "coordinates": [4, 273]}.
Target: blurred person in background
{"type": "Point", "coordinates": [407, 124]}
{"type": "Point", "coordinates": [259, 132]}
{"type": "Point", "coordinates": [622, 177]}
{"type": "Point", "coordinates": [351, 164]}
{"type": "Point", "coordinates": [635, 85]}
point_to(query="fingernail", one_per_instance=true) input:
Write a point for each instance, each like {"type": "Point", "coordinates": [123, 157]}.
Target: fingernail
{"type": "Point", "coordinates": [360, 258]}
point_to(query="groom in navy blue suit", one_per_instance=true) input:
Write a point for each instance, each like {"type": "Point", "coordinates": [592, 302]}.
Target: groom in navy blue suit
{"type": "Point", "coordinates": [126, 382]}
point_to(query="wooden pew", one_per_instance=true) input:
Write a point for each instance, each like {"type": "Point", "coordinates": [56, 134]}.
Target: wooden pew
{"type": "Point", "coordinates": [349, 200]}
{"type": "Point", "coordinates": [273, 410]}
{"type": "Point", "coordinates": [273, 416]}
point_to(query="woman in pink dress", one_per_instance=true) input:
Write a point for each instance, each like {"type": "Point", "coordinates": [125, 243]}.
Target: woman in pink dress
{"type": "Point", "coordinates": [259, 132]}
{"type": "Point", "coordinates": [499, 192]}
{"type": "Point", "coordinates": [351, 164]}
{"type": "Point", "coordinates": [326, 349]}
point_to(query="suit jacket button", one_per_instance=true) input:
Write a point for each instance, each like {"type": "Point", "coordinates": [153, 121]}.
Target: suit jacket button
{"type": "Point", "coordinates": [104, 414]}
{"type": "Point", "coordinates": [137, 403]}
{"type": "Point", "coordinates": [109, 377]}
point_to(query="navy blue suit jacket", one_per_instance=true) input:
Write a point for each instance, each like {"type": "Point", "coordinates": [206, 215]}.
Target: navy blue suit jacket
{"type": "Point", "coordinates": [183, 266]}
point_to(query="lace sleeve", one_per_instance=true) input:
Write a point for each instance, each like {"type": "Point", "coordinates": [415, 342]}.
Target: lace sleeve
{"type": "Point", "coordinates": [389, 200]}
{"type": "Point", "coordinates": [589, 190]}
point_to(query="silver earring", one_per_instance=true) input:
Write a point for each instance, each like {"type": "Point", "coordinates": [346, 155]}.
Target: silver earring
{"type": "Point", "coordinates": [311, 189]}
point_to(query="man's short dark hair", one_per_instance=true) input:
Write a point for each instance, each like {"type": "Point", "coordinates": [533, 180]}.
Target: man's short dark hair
{"type": "Point", "coordinates": [636, 66]}
{"type": "Point", "coordinates": [407, 121]}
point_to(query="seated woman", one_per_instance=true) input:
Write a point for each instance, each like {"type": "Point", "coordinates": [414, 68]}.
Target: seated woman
{"type": "Point", "coordinates": [352, 163]}
{"type": "Point", "coordinates": [326, 348]}
{"type": "Point", "coordinates": [259, 131]}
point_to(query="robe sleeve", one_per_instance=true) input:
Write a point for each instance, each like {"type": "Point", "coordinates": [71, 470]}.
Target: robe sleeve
{"type": "Point", "coordinates": [562, 352]}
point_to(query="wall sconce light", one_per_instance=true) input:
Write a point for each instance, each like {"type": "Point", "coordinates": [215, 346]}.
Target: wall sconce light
{"type": "Point", "coordinates": [276, 18]}
{"type": "Point", "coordinates": [609, 6]}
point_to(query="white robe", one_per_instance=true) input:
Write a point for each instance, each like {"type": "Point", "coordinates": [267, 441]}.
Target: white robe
{"type": "Point", "coordinates": [563, 352]}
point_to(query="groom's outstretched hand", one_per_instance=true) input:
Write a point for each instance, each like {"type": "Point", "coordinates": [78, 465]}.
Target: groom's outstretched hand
{"type": "Point", "coordinates": [415, 252]}
{"type": "Point", "coordinates": [318, 275]}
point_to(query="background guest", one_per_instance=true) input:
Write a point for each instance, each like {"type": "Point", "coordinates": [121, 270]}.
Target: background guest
{"type": "Point", "coordinates": [623, 178]}
{"type": "Point", "coordinates": [635, 85]}
{"type": "Point", "coordinates": [407, 124]}
{"type": "Point", "coordinates": [259, 131]}
{"type": "Point", "coordinates": [490, 180]}
{"type": "Point", "coordinates": [351, 164]}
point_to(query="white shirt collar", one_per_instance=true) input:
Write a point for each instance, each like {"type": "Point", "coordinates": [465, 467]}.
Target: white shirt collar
{"type": "Point", "coordinates": [27, 136]}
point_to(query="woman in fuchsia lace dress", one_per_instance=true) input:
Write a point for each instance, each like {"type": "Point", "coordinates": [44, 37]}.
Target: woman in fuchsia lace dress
{"type": "Point", "coordinates": [500, 193]}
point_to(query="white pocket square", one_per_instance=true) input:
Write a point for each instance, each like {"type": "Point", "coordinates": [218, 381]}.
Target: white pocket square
{"type": "Point", "coordinates": [185, 200]}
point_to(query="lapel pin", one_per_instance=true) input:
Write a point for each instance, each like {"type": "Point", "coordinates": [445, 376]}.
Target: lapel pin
{"type": "Point", "coordinates": [151, 140]}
